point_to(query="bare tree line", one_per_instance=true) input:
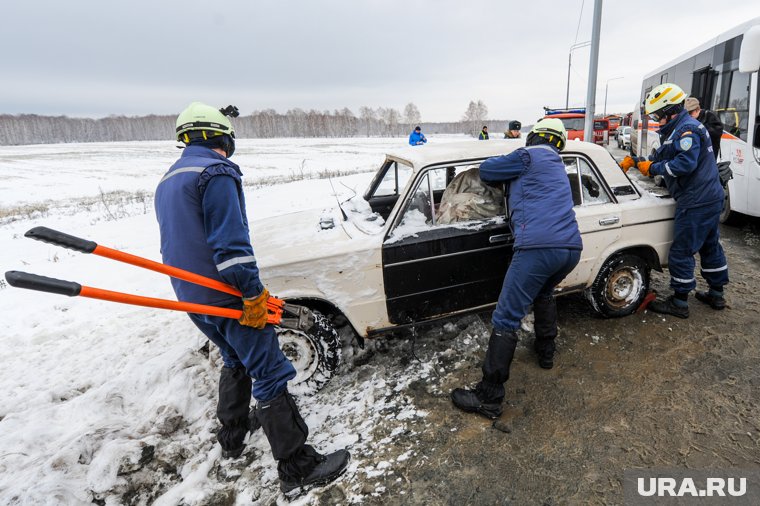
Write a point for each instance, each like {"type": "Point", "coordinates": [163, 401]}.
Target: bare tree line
{"type": "Point", "coordinates": [268, 123]}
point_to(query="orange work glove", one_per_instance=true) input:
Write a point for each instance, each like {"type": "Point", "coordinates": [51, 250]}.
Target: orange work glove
{"type": "Point", "coordinates": [627, 163]}
{"type": "Point", "coordinates": [643, 167]}
{"type": "Point", "coordinates": [255, 311]}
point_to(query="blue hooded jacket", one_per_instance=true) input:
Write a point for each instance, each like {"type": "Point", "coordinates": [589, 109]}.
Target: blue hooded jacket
{"type": "Point", "coordinates": [540, 199]}
{"type": "Point", "coordinates": [416, 138]}
{"type": "Point", "coordinates": [204, 229]}
{"type": "Point", "coordinates": [685, 160]}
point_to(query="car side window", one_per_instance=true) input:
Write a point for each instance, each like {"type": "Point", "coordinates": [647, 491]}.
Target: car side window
{"type": "Point", "coordinates": [450, 195]}
{"type": "Point", "coordinates": [585, 185]}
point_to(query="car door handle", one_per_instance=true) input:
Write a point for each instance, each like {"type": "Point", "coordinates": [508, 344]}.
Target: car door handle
{"type": "Point", "coordinates": [498, 238]}
{"type": "Point", "coordinates": [609, 221]}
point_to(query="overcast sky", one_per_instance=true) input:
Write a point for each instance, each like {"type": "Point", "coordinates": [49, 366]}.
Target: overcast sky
{"type": "Point", "coordinates": [95, 57]}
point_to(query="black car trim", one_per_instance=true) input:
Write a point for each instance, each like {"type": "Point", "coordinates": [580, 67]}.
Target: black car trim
{"type": "Point", "coordinates": [458, 314]}
{"type": "Point", "coordinates": [468, 251]}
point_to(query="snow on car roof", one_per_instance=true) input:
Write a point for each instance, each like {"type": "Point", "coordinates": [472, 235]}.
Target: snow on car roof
{"type": "Point", "coordinates": [430, 154]}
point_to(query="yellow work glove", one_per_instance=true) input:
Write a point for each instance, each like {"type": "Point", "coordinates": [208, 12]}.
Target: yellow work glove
{"type": "Point", "coordinates": [255, 311]}
{"type": "Point", "coordinates": [627, 163]}
{"type": "Point", "coordinates": [643, 167]}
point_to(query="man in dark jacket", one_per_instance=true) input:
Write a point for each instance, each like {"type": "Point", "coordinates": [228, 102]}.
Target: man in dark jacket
{"type": "Point", "coordinates": [513, 130]}
{"type": "Point", "coordinates": [686, 162]}
{"type": "Point", "coordinates": [709, 119]}
{"type": "Point", "coordinates": [202, 218]}
{"type": "Point", "coordinates": [483, 134]}
{"type": "Point", "coordinates": [547, 248]}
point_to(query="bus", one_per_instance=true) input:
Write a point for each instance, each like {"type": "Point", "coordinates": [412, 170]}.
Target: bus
{"type": "Point", "coordinates": [575, 121]}
{"type": "Point", "coordinates": [723, 75]}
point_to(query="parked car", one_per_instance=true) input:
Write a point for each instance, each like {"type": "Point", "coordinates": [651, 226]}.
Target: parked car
{"type": "Point", "coordinates": [396, 257]}
{"type": "Point", "coordinates": [624, 137]}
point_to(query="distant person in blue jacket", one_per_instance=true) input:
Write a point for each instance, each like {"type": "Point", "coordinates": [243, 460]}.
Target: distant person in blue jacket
{"type": "Point", "coordinates": [417, 138]}
{"type": "Point", "coordinates": [547, 248]}
{"type": "Point", "coordinates": [483, 136]}
{"type": "Point", "coordinates": [203, 223]}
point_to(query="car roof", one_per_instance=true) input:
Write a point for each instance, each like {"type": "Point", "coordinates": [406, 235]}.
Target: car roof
{"type": "Point", "coordinates": [431, 154]}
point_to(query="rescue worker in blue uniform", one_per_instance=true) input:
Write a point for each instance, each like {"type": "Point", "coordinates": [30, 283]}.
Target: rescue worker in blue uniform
{"type": "Point", "coordinates": [547, 248]}
{"type": "Point", "coordinates": [200, 207]}
{"type": "Point", "coordinates": [417, 138]}
{"type": "Point", "coordinates": [686, 162]}
{"type": "Point", "coordinates": [483, 135]}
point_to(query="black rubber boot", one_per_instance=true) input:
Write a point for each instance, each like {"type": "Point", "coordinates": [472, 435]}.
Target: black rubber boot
{"type": "Point", "coordinates": [485, 399]}
{"type": "Point", "coordinates": [668, 306]}
{"type": "Point", "coordinates": [233, 410]}
{"type": "Point", "coordinates": [299, 466]}
{"type": "Point", "coordinates": [545, 325]}
{"type": "Point", "coordinates": [499, 355]}
{"type": "Point", "coordinates": [487, 396]}
{"type": "Point", "coordinates": [714, 301]}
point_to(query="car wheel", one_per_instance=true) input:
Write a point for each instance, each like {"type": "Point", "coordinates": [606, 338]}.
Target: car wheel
{"type": "Point", "coordinates": [620, 286]}
{"type": "Point", "coordinates": [314, 354]}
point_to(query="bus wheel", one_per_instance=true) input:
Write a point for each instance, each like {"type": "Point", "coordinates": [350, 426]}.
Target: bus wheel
{"type": "Point", "coordinates": [728, 217]}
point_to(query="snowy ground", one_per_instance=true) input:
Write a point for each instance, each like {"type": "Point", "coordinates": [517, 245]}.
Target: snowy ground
{"type": "Point", "coordinates": [115, 404]}
{"type": "Point", "coordinates": [109, 404]}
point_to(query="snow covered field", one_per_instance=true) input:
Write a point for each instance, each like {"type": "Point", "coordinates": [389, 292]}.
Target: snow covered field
{"type": "Point", "coordinates": [114, 404]}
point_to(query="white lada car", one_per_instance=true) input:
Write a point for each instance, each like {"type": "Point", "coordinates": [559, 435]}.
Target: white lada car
{"type": "Point", "coordinates": [422, 244]}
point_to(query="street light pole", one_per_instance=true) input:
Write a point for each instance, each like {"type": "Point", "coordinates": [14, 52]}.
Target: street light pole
{"type": "Point", "coordinates": [588, 128]}
{"type": "Point", "coordinates": [606, 87]}
{"type": "Point", "coordinates": [569, 63]}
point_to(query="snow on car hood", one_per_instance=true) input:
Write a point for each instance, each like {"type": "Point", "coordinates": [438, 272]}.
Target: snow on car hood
{"type": "Point", "coordinates": [306, 236]}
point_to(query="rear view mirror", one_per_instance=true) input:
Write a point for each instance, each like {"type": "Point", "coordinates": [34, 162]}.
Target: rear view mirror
{"type": "Point", "coordinates": [749, 54]}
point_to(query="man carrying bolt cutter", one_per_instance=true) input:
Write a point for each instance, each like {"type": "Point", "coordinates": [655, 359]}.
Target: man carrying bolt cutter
{"type": "Point", "coordinates": [201, 213]}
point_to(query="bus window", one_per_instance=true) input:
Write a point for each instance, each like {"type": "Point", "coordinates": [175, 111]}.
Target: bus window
{"type": "Point", "coordinates": [734, 103]}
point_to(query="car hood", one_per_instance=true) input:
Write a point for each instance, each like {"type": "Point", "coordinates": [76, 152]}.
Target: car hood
{"type": "Point", "coordinates": [305, 235]}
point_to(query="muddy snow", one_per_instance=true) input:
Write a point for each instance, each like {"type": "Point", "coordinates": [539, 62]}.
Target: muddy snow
{"type": "Point", "coordinates": [110, 404]}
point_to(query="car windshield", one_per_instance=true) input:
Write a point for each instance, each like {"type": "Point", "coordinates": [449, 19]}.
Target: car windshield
{"type": "Point", "coordinates": [573, 123]}
{"type": "Point", "coordinates": [394, 180]}
{"type": "Point", "coordinates": [627, 130]}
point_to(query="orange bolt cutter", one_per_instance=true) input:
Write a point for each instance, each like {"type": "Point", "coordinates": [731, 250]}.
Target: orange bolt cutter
{"type": "Point", "coordinates": [280, 313]}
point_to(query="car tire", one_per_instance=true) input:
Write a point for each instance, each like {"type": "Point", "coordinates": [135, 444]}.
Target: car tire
{"type": "Point", "coordinates": [314, 354]}
{"type": "Point", "coordinates": [620, 287]}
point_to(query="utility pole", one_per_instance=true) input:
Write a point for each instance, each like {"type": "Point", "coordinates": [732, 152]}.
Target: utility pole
{"type": "Point", "coordinates": [588, 129]}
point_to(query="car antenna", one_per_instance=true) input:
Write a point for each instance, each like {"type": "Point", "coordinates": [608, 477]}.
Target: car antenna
{"type": "Point", "coordinates": [345, 216]}
{"type": "Point", "coordinates": [352, 189]}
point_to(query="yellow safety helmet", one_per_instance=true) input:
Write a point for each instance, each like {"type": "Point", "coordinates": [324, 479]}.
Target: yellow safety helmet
{"type": "Point", "coordinates": [662, 98]}
{"type": "Point", "coordinates": [550, 129]}
{"type": "Point", "coordinates": [200, 122]}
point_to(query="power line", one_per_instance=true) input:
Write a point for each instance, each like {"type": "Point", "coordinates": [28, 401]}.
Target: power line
{"type": "Point", "coordinates": [580, 17]}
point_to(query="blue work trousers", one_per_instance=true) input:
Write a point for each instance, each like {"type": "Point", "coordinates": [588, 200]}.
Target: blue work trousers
{"type": "Point", "coordinates": [256, 350]}
{"type": "Point", "coordinates": [696, 231]}
{"type": "Point", "coordinates": [531, 273]}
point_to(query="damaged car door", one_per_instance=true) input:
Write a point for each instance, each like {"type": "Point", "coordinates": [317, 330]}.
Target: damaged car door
{"type": "Point", "coordinates": [432, 268]}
